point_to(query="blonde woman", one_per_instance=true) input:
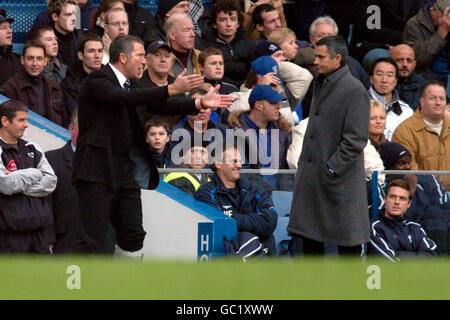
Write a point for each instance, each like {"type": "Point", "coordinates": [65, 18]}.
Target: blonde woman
{"type": "Point", "coordinates": [286, 39]}
{"type": "Point", "coordinates": [377, 124]}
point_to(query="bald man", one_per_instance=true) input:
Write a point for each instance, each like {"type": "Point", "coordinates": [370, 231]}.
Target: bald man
{"type": "Point", "coordinates": [409, 84]}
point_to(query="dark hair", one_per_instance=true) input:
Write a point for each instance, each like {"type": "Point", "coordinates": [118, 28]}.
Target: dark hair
{"type": "Point", "coordinates": [90, 36]}
{"type": "Point", "coordinates": [431, 83]}
{"type": "Point", "coordinates": [32, 44]}
{"type": "Point", "coordinates": [54, 6]}
{"type": "Point", "coordinates": [157, 122]}
{"type": "Point", "coordinates": [123, 44]}
{"type": "Point", "coordinates": [104, 6]}
{"type": "Point", "coordinates": [226, 6]}
{"type": "Point", "coordinates": [10, 108]}
{"type": "Point", "coordinates": [205, 53]}
{"type": "Point", "coordinates": [386, 60]}
{"type": "Point", "coordinates": [37, 32]}
{"type": "Point", "coordinates": [401, 184]}
{"type": "Point", "coordinates": [335, 45]}
{"type": "Point", "coordinates": [257, 13]}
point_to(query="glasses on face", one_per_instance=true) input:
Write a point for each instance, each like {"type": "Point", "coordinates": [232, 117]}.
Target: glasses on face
{"type": "Point", "coordinates": [118, 24]}
{"type": "Point", "coordinates": [393, 197]}
{"type": "Point", "coordinates": [323, 35]}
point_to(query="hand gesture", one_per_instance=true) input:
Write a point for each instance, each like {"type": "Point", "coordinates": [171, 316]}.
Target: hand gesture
{"type": "Point", "coordinates": [185, 83]}
{"type": "Point", "coordinates": [270, 79]}
{"type": "Point", "coordinates": [214, 100]}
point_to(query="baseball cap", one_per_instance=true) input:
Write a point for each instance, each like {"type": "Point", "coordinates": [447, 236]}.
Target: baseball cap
{"type": "Point", "coordinates": [4, 19]}
{"type": "Point", "coordinates": [442, 4]}
{"type": "Point", "coordinates": [155, 45]}
{"type": "Point", "coordinates": [391, 153]}
{"type": "Point", "coordinates": [264, 92]}
{"type": "Point", "coordinates": [266, 48]}
{"type": "Point", "coordinates": [265, 64]}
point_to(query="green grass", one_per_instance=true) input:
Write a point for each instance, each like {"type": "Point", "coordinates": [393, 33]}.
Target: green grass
{"type": "Point", "coordinates": [45, 278]}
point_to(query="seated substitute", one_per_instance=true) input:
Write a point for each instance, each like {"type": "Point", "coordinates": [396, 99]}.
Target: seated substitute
{"type": "Point", "coordinates": [26, 179]}
{"type": "Point", "coordinates": [246, 202]}
{"type": "Point", "coordinates": [392, 235]}
{"type": "Point", "coordinates": [430, 205]}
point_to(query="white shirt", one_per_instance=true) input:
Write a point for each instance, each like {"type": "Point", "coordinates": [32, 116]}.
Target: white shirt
{"type": "Point", "coordinates": [122, 79]}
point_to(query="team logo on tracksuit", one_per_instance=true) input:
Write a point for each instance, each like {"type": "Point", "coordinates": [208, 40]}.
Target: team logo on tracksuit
{"type": "Point", "coordinates": [11, 167]}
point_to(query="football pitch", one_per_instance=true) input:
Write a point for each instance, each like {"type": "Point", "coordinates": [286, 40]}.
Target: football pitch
{"type": "Point", "coordinates": [53, 278]}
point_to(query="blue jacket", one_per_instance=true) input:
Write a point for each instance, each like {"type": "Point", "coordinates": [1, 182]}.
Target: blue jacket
{"type": "Point", "coordinates": [254, 211]}
{"type": "Point", "coordinates": [396, 238]}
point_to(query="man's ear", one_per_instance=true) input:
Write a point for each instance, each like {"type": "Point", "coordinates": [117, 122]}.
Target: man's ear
{"type": "Point", "coordinates": [80, 56]}
{"type": "Point", "coordinates": [123, 58]}
{"type": "Point", "coordinates": [22, 60]}
{"type": "Point", "coordinates": [54, 17]}
{"type": "Point", "coordinates": [259, 27]}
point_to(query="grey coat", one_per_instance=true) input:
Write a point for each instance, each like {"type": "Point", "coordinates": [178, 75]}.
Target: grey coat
{"type": "Point", "coordinates": [329, 208]}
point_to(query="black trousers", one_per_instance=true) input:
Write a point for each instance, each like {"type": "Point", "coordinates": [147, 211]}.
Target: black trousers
{"type": "Point", "coordinates": [101, 204]}
{"type": "Point", "coordinates": [308, 246]}
{"type": "Point", "coordinates": [39, 241]}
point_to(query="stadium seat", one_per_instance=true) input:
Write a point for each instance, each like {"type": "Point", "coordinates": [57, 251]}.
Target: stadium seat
{"type": "Point", "coordinates": [282, 201]}
{"type": "Point", "coordinates": [18, 48]}
{"type": "Point", "coordinates": [281, 236]}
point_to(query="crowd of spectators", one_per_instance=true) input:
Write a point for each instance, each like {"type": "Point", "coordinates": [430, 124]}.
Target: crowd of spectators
{"type": "Point", "coordinates": [268, 63]}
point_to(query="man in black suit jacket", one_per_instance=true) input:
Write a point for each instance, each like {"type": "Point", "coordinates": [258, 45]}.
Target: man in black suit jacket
{"type": "Point", "coordinates": [108, 127]}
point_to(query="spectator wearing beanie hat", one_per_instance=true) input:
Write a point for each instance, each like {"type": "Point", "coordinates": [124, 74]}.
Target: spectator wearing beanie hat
{"type": "Point", "coordinates": [141, 21]}
{"type": "Point", "coordinates": [267, 48]}
{"type": "Point", "coordinates": [165, 9]}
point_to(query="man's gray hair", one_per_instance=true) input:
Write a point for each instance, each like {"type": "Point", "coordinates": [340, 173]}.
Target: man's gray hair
{"type": "Point", "coordinates": [335, 45]}
{"type": "Point", "coordinates": [123, 44]}
{"type": "Point", "coordinates": [171, 23]}
{"type": "Point", "coordinates": [321, 20]}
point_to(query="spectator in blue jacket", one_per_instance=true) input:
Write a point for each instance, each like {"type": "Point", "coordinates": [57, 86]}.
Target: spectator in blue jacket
{"type": "Point", "coordinates": [392, 235]}
{"type": "Point", "coordinates": [204, 129]}
{"type": "Point", "coordinates": [246, 202]}
{"type": "Point", "coordinates": [430, 206]}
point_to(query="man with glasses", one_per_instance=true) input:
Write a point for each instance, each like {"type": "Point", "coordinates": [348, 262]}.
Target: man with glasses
{"type": "Point", "coordinates": [116, 25]}
{"type": "Point", "coordinates": [393, 236]}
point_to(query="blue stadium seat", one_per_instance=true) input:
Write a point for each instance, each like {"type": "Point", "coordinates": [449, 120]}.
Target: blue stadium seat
{"type": "Point", "coordinates": [18, 48]}
{"type": "Point", "coordinates": [281, 236]}
{"type": "Point", "coordinates": [282, 201]}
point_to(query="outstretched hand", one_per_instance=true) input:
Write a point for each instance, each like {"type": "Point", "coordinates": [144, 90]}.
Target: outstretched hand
{"type": "Point", "coordinates": [185, 83]}
{"type": "Point", "coordinates": [214, 100]}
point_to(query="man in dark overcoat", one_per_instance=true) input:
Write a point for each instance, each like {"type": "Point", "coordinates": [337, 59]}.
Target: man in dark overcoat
{"type": "Point", "coordinates": [329, 203]}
